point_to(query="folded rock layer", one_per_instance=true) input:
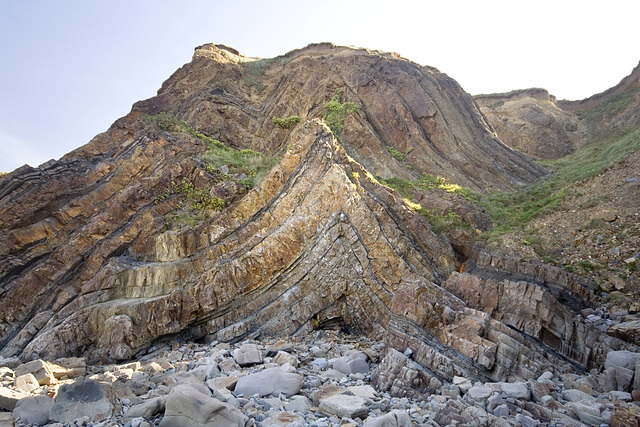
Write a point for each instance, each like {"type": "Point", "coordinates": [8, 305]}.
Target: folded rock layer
{"type": "Point", "coordinates": [90, 269]}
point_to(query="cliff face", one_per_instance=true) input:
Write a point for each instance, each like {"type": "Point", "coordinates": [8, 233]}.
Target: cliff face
{"type": "Point", "coordinates": [531, 121]}
{"type": "Point", "coordinates": [423, 114]}
{"type": "Point", "coordinates": [91, 268]}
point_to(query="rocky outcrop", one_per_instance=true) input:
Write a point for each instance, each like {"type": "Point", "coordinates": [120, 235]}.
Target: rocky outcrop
{"type": "Point", "coordinates": [91, 268]}
{"type": "Point", "coordinates": [423, 114]}
{"type": "Point", "coordinates": [531, 121]}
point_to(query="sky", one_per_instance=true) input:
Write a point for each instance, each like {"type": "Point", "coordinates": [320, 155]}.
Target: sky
{"type": "Point", "coordinates": [70, 68]}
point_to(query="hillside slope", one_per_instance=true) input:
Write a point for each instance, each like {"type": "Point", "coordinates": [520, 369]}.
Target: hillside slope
{"type": "Point", "coordinates": [163, 227]}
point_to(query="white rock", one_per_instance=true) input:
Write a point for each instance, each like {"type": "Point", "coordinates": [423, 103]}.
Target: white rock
{"type": "Point", "coordinates": [26, 383]}
{"type": "Point", "coordinates": [574, 395]}
{"type": "Point", "coordinates": [343, 405]}
{"type": "Point", "coordinates": [395, 418]}
{"type": "Point", "coordinates": [271, 381]}
{"type": "Point", "coordinates": [624, 358]}
{"type": "Point", "coordinates": [247, 354]}
{"type": "Point", "coordinates": [516, 391]}
{"type": "Point", "coordinates": [39, 369]}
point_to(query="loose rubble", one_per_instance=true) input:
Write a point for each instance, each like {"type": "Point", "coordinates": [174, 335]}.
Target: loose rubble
{"type": "Point", "coordinates": [324, 379]}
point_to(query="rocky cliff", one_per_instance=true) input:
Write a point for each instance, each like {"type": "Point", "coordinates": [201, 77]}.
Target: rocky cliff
{"type": "Point", "coordinates": [140, 237]}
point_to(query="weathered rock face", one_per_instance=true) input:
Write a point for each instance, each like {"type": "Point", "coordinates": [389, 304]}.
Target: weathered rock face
{"type": "Point", "coordinates": [418, 111]}
{"type": "Point", "coordinates": [531, 121]}
{"type": "Point", "coordinates": [89, 270]}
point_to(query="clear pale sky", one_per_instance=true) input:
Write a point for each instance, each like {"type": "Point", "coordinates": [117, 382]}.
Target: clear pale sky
{"type": "Point", "coordinates": [69, 68]}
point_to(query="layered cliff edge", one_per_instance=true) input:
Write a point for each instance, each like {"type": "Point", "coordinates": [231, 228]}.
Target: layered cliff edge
{"type": "Point", "coordinates": [90, 269]}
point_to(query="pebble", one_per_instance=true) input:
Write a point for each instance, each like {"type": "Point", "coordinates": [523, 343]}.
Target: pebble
{"type": "Point", "coordinates": [297, 382]}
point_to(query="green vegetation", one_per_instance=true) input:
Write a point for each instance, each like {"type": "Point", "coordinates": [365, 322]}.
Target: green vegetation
{"type": "Point", "coordinates": [170, 123]}
{"type": "Point", "coordinates": [427, 182]}
{"type": "Point", "coordinates": [253, 164]}
{"type": "Point", "coordinates": [335, 112]}
{"type": "Point", "coordinates": [441, 222]}
{"type": "Point", "coordinates": [496, 104]}
{"type": "Point", "coordinates": [194, 198]}
{"type": "Point", "coordinates": [249, 162]}
{"type": "Point", "coordinates": [287, 123]}
{"type": "Point", "coordinates": [514, 211]}
{"type": "Point", "coordinates": [395, 153]}
{"type": "Point", "coordinates": [610, 107]}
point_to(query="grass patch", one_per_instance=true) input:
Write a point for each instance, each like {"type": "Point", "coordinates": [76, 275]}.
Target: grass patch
{"type": "Point", "coordinates": [514, 211]}
{"type": "Point", "coordinates": [253, 164]}
{"type": "Point", "coordinates": [609, 107]}
{"type": "Point", "coordinates": [427, 182]}
{"type": "Point", "coordinates": [335, 113]}
{"type": "Point", "coordinates": [286, 123]}
{"type": "Point", "coordinates": [441, 222]}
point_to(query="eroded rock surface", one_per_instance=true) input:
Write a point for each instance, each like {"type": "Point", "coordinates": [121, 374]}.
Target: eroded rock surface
{"type": "Point", "coordinates": [91, 270]}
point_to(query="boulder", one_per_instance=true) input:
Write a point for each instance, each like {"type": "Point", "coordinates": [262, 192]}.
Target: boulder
{"type": "Point", "coordinates": [191, 405]}
{"type": "Point", "coordinates": [627, 331]}
{"type": "Point", "coordinates": [574, 395]}
{"type": "Point", "coordinates": [401, 376]}
{"type": "Point", "coordinates": [26, 383]}
{"type": "Point", "coordinates": [9, 398]}
{"type": "Point", "coordinates": [518, 391]}
{"type": "Point", "coordinates": [591, 413]}
{"type": "Point", "coordinates": [40, 370]}
{"type": "Point", "coordinates": [283, 357]}
{"type": "Point", "coordinates": [395, 418]}
{"type": "Point", "coordinates": [284, 419]}
{"type": "Point", "coordinates": [84, 397]}
{"type": "Point", "coordinates": [247, 354]}
{"type": "Point", "coordinates": [623, 358]}
{"type": "Point", "coordinates": [147, 409]}
{"type": "Point", "coordinates": [33, 410]}
{"type": "Point", "coordinates": [270, 382]}
{"type": "Point", "coordinates": [69, 368]}
{"type": "Point", "coordinates": [352, 363]}
{"type": "Point", "coordinates": [617, 378]}
{"type": "Point", "coordinates": [343, 405]}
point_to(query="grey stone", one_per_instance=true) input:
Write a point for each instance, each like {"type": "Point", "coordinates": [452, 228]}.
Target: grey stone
{"type": "Point", "coordinates": [9, 398]}
{"type": "Point", "coordinates": [33, 410]}
{"type": "Point", "coordinates": [516, 390]}
{"type": "Point", "coordinates": [284, 419]}
{"type": "Point", "coordinates": [545, 376]}
{"type": "Point", "coordinates": [573, 395]}
{"type": "Point", "coordinates": [84, 397]}
{"type": "Point", "coordinates": [591, 413]}
{"type": "Point", "coordinates": [298, 404]}
{"type": "Point", "coordinates": [190, 405]}
{"type": "Point", "coordinates": [620, 395]}
{"type": "Point", "coordinates": [462, 383]}
{"type": "Point", "coordinates": [623, 358]}
{"type": "Point", "coordinates": [321, 363]}
{"type": "Point", "coordinates": [40, 370]}
{"type": "Point", "coordinates": [351, 364]}
{"type": "Point", "coordinates": [247, 354]}
{"type": "Point", "coordinates": [395, 418]}
{"type": "Point", "coordinates": [617, 378]}
{"type": "Point", "coordinates": [501, 410]}
{"type": "Point", "coordinates": [147, 409]}
{"type": "Point", "coordinates": [273, 381]}
{"type": "Point", "coordinates": [480, 392]}
{"type": "Point", "coordinates": [343, 405]}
